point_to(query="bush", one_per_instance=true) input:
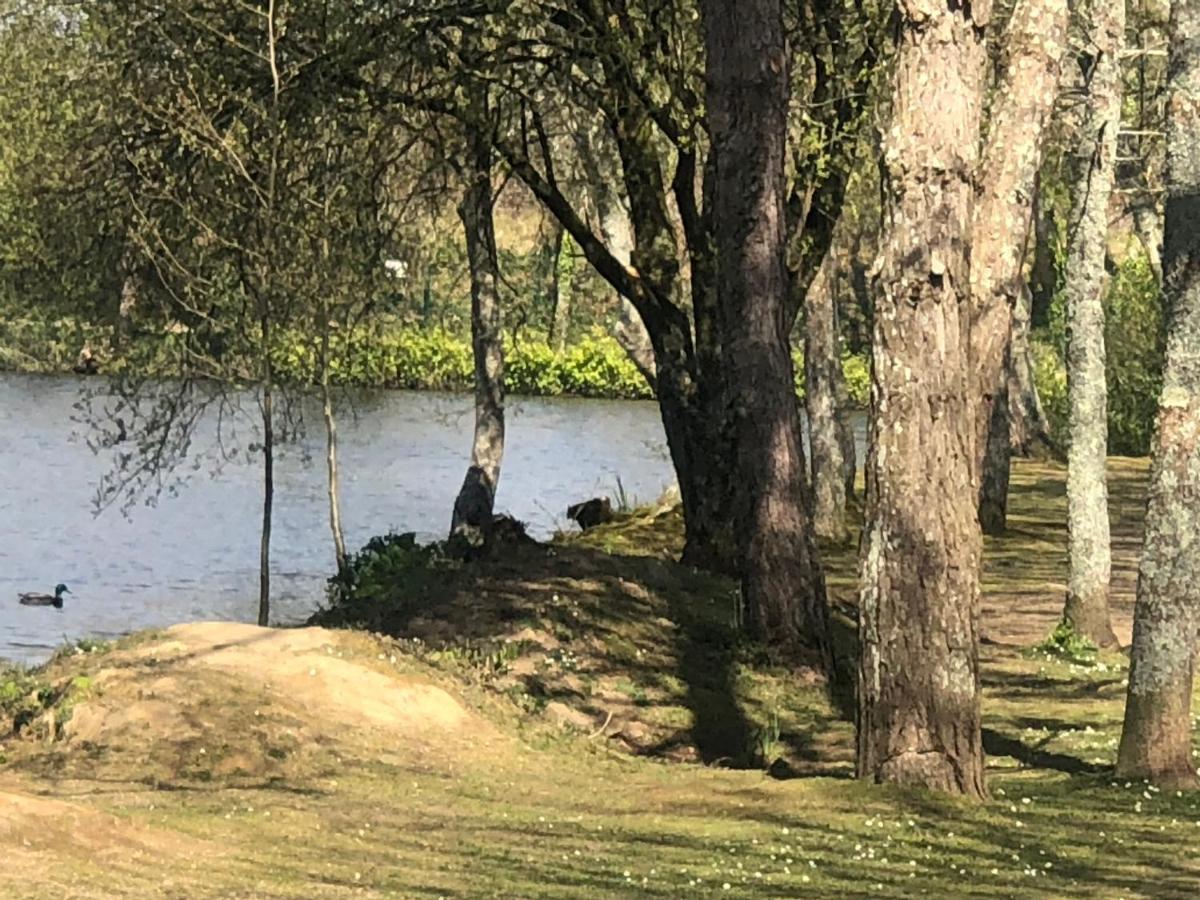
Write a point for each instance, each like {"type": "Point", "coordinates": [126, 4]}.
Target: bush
{"type": "Point", "coordinates": [388, 578]}
{"type": "Point", "coordinates": [1134, 344]}
{"type": "Point", "coordinates": [856, 371]}
{"type": "Point", "coordinates": [598, 367]}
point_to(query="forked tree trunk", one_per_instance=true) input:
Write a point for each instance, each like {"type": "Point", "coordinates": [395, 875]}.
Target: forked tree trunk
{"type": "Point", "coordinates": [1156, 742]}
{"type": "Point", "coordinates": [747, 99]}
{"type": "Point", "coordinates": [473, 509]}
{"type": "Point", "coordinates": [1034, 42]}
{"type": "Point", "coordinates": [918, 692]}
{"type": "Point", "coordinates": [822, 378]}
{"type": "Point", "coordinates": [1086, 609]}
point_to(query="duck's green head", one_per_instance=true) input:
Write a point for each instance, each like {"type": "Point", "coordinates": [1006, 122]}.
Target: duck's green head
{"type": "Point", "coordinates": [60, 589]}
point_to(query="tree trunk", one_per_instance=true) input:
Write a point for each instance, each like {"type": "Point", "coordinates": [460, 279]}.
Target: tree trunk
{"type": "Point", "coordinates": [918, 695]}
{"type": "Point", "coordinates": [553, 249]}
{"type": "Point", "coordinates": [1029, 430]}
{"type": "Point", "coordinates": [1156, 742]}
{"type": "Point", "coordinates": [1035, 41]}
{"type": "Point", "coordinates": [564, 283]}
{"type": "Point", "coordinates": [822, 378]}
{"type": "Point", "coordinates": [1043, 274]}
{"type": "Point", "coordinates": [747, 99]}
{"type": "Point", "coordinates": [628, 331]}
{"type": "Point", "coordinates": [473, 509]}
{"type": "Point", "coordinates": [614, 224]}
{"type": "Point", "coordinates": [268, 421]}
{"type": "Point", "coordinates": [1086, 609]}
{"type": "Point", "coordinates": [1149, 231]}
{"type": "Point", "coordinates": [331, 454]}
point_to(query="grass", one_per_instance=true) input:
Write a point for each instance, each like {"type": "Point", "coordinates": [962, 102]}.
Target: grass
{"type": "Point", "coordinates": [602, 624]}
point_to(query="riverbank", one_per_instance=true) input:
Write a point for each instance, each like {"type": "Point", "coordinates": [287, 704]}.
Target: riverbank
{"type": "Point", "coordinates": [510, 740]}
{"type": "Point", "coordinates": [381, 356]}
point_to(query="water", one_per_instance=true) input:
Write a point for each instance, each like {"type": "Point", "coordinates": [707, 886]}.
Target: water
{"type": "Point", "coordinates": [195, 554]}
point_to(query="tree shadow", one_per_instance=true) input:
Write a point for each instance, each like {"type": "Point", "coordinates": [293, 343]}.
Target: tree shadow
{"type": "Point", "coordinates": [997, 744]}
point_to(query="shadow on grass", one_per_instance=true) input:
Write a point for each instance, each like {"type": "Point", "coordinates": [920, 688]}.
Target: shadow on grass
{"type": "Point", "coordinates": [997, 744]}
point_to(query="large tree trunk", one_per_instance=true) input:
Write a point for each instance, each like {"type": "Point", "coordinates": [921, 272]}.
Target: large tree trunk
{"type": "Point", "coordinates": [822, 379]}
{"type": "Point", "coordinates": [473, 508]}
{"type": "Point", "coordinates": [1035, 42]}
{"type": "Point", "coordinates": [1156, 742]}
{"type": "Point", "coordinates": [918, 694]}
{"type": "Point", "coordinates": [747, 99]}
{"type": "Point", "coordinates": [1086, 608]}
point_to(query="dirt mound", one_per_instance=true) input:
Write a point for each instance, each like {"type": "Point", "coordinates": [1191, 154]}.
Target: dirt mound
{"type": "Point", "coordinates": [220, 700]}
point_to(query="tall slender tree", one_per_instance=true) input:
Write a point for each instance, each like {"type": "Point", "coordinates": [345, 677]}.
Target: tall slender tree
{"type": "Point", "coordinates": [918, 690]}
{"type": "Point", "coordinates": [473, 508]}
{"type": "Point", "coordinates": [1156, 742]}
{"type": "Point", "coordinates": [747, 102]}
{"type": "Point", "coordinates": [1086, 609]}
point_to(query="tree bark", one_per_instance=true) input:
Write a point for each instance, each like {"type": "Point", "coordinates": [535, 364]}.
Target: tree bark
{"type": "Point", "coordinates": [613, 221]}
{"type": "Point", "coordinates": [1029, 430]}
{"type": "Point", "coordinates": [473, 508]}
{"type": "Point", "coordinates": [747, 99]}
{"type": "Point", "coordinates": [1086, 609]}
{"type": "Point", "coordinates": [822, 379]}
{"type": "Point", "coordinates": [918, 696]}
{"type": "Point", "coordinates": [1035, 41]}
{"type": "Point", "coordinates": [1156, 742]}
{"type": "Point", "coordinates": [331, 444]}
{"type": "Point", "coordinates": [553, 250]}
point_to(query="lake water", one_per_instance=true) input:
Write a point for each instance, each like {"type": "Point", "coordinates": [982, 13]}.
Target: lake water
{"type": "Point", "coordinates": [194, 555]}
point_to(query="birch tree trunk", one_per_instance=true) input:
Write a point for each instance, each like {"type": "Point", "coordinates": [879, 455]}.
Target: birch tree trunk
{"type": "Point", "coordinates": [473, 509]}
{"type": "Point", "coordinates": [1086, 609]}
{"type": "Point", "coordinates": [747, 98]}
{"type": "Point", "coordinates": [918, 691]}
{"type": "Point", "coordinates": [822, 375]}
{"type": "Point", "coordinates": [1156, 742]}
{"type": "Point", "coordinates": [1035, 42]}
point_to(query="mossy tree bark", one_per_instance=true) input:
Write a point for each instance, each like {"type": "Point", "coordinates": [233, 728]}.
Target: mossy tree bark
{"type": "Point", "coordinates": [1086, 609]}
{"type": "Point", "coordinates": [747, 102]}
{"type": "Point", "coordinates": [918, 694]}
{"type": "Point", "coordinates": [473, 508]}
{"type": "Point", "coordinates": [1156, 742]}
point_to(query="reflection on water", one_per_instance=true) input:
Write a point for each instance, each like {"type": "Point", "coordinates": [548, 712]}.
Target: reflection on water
{"type": "Point", "coordinates": [195, 555]}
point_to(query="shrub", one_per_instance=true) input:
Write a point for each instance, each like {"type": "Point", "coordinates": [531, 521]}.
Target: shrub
{"type": "Point", "coordinates": [1134, 344]}
{"type": "Point", "coordinates": [388, 578]}
{"type": "Point", "coordinates": [598, 367]}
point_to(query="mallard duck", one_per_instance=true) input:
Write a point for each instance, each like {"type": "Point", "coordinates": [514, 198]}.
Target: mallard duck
{"type": "Point", "coordinates": [36, 599]}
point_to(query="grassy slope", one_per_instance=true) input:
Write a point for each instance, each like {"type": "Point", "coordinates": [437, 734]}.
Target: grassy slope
{"type": "Point", "coordinates": [561, 814]}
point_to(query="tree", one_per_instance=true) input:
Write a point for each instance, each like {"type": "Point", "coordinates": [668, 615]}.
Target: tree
{"type": "Point", "coordinates": [747, 104]}
{"type": "Point", "coordinates": [824, 390]}
{"type": "Point", "coordinates": [1086, 609]}
{"type": "Point", "coordinates": [473, 508]}
{"type": "Point", "coordinates": [637, 67]}
{"type": "Point", "coordinates": [224, 124]}
{"type": "Point", "coordinates": [918, 689]}
{"type": "Point", "coordinates": [1034, 43]}
{"type": "Point", "coordinates": [1156, 741]}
